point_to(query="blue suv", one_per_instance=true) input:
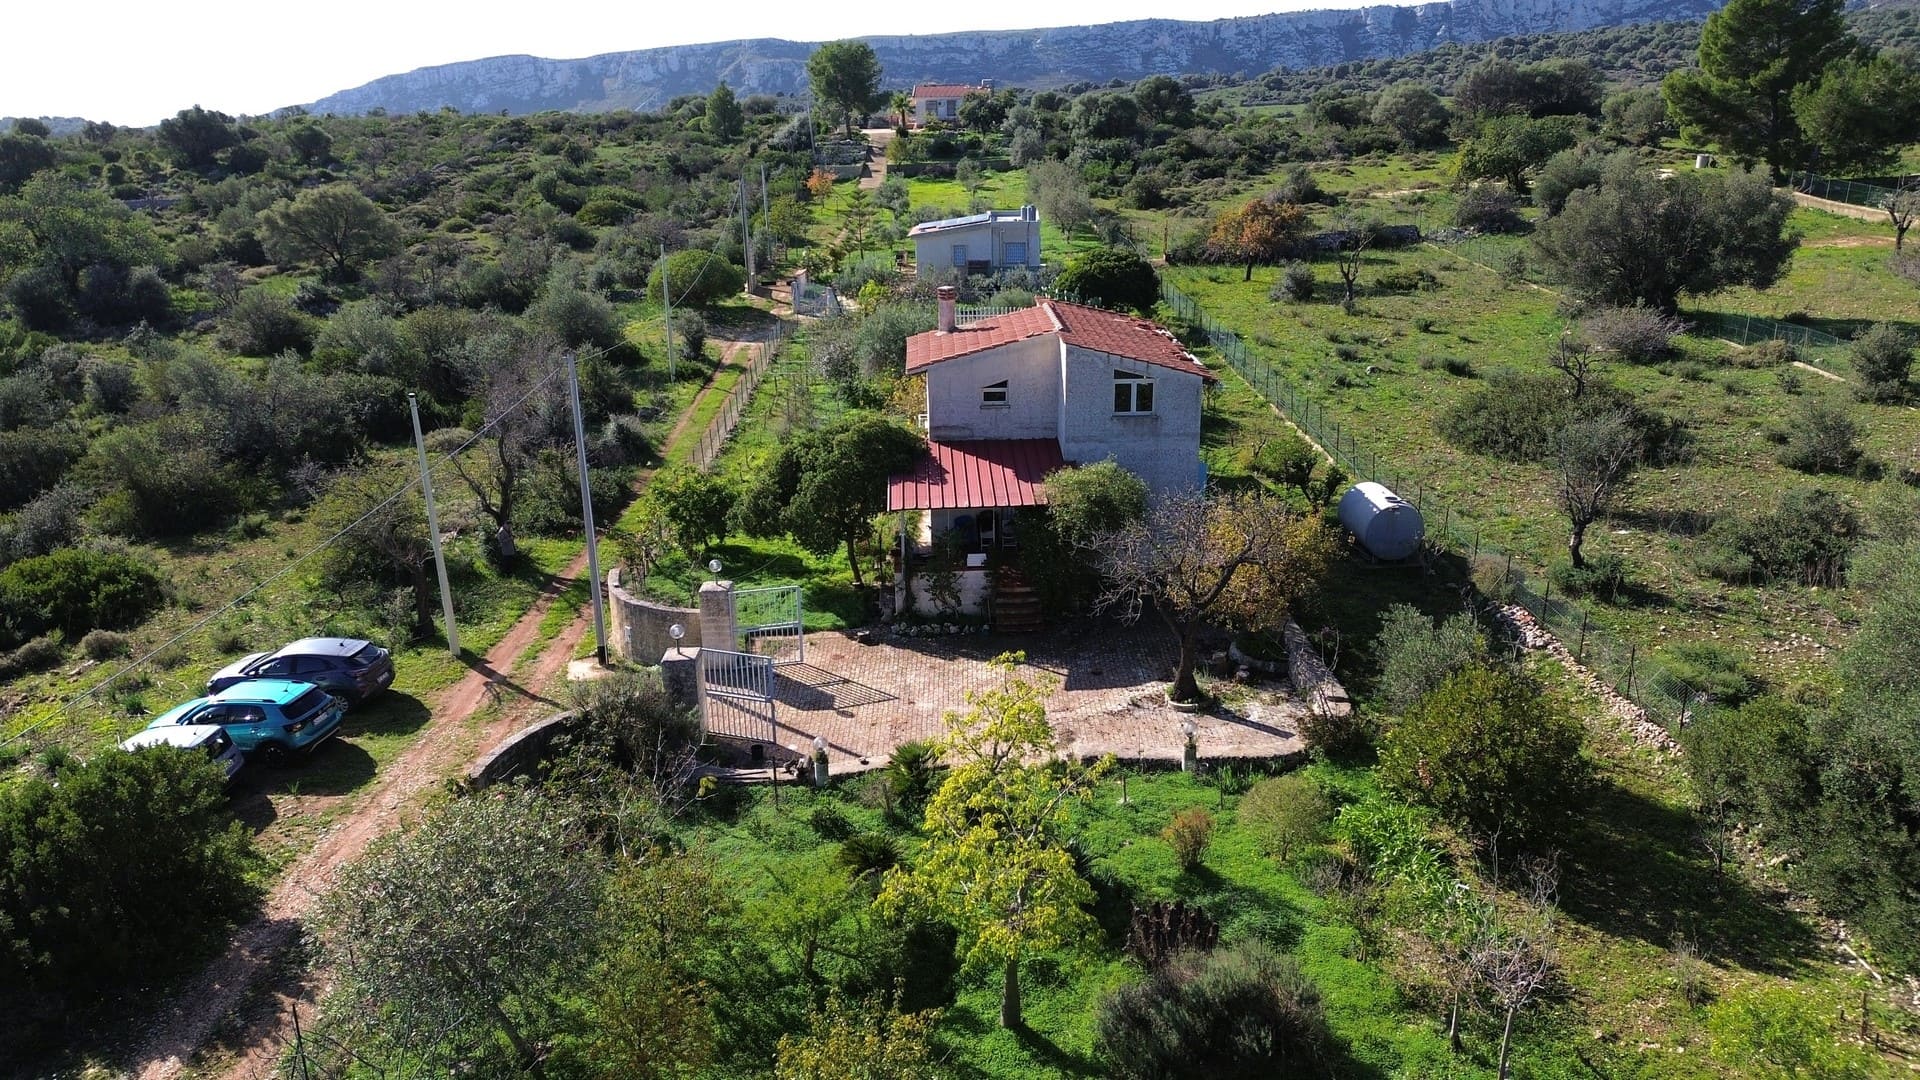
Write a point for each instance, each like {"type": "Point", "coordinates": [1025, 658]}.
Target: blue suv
{"type": "Point", "coordinates": [269, 718]}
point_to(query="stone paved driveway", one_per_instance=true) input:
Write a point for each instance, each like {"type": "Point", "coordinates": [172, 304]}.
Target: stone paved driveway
{"type": "Point", "coordinates": [1109, 696]}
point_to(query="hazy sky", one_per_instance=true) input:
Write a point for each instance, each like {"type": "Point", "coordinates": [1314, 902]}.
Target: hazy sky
{"type": "Point", "coordinates": [133, 63]}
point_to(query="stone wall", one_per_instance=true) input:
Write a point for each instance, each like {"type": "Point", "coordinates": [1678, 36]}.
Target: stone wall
{"type": "Point", "coordinates": [521, 753]}
{"type": "Point", "coordinates": [639, 627]}
{"type": "Point", "coordinates": [1311, 677]}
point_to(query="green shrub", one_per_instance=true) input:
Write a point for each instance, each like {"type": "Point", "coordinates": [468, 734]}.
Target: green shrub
{"type": "Point", "coordinates": [1285, 813]}
{"type": "Point", "coordinates": [1487, 208]}
{"type": "Point", "coordinates": [105, 644]}
{"type": "Point", "coordinates": [153, 896]}
{"type": "Point", "coordinates": [1288, 460]}
{"type": "Point", "coordinates": [868, 854]}
{"type": "Point", "coordinates": [75, 590]}
{"type": "Point", "coordinates": [1821, 439]}
{"type": "Point", "coordinates": [577, 317]}
{"type": "Point", "coordinates": [39, 654]}
{"type": "Point", "coordinates": [829, 822]}
{"type": "Point", "coordinates": [1883, 357]}
{"type": "Point", "coordinates": [1296, 283]}
{"type": "Point", "coordinates": [1112, 277]}
{"type": "Point", "coordinates": [1636, 335]}
{"type": "Point", "coordinates": [913, 772]}
{"type": "Point", "coordinates": [1490, 753]}
{"type": "Point", "coordinates": [699, 278]}
{"type": "Point", "coordinates": [1233, 1013]}
{"type": "Point", "coordinates": [1808, 536]}
{"type": "Point", "coordinates": [263, 323]}
{"type": "Point", "coordinates": [1604, 575]}
{"type": "Point", "coordinates": [1769, 353]}
{"type": "Point", "coordinates": [1714, 669]}
{"type": "Point", "coordinates": [1515, 417]}
{"type": "Point", "coordinates": [1417, 653]}
{"type": "Point", "coordinates": [1495, 578]}
{"type": "Point", "coordinates": [1416, 279]}
{"type": "Point", "coordinates": [1189, 833]}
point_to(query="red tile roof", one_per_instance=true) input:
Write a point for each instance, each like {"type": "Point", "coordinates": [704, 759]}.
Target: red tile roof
{"type": "Point", "coordinates": [977, 473]}
{"type": "Point", "coordinates": [943, 90]}
{"type": "Point", "coordinates": [1083, 327]}
{"type": "Point", "coordinates": [1124, 336]}
{"type": "Point", "coordinates": [935, 346]}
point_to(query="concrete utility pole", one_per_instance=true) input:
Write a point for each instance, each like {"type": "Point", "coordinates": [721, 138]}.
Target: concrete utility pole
{"type": "Point", "coordinates": [766, 215]}
{"type": "Point", "coordinates": [586, 515]}
{"type": "Point", "coordinates": [746, 229]}
{"type": "Point", "coordinates": [666, 298]}
{"type": "Point", "coordinates": [433, 528]}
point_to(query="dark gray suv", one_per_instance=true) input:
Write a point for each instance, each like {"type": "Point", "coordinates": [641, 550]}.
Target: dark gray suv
{"type": "Point", "coordinates": [351, 668]}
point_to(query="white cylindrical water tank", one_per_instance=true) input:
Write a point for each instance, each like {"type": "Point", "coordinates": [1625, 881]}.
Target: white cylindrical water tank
{"type": "Point", "coordinates": [1388, 526]}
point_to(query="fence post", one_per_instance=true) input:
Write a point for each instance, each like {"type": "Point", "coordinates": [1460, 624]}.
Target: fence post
{"type": "Point", "coordinates": [1476, 543]}
{"type": "Point", "coordinates": [1509, 577]}
{"type": "Point", "coordinates": [1632, 648]}
{"type": "Point", "coordinates": [1580, 656]}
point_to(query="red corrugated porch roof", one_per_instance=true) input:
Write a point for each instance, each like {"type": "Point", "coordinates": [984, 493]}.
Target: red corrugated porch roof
{"type": "Point", "coordinates": [976, 474]}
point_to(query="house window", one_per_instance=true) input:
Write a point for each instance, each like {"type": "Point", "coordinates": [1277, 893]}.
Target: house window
{"type": "Point", "coordinates": [994, 395]}
{"type": "Point", "coordinates": [1016, 254]}
{"type": "Point", "coordinates": [1132, 393]}
{"type": "Point", "coordinates": [959, 254]}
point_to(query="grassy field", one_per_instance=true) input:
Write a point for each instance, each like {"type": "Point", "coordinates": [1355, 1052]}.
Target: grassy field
{"type": "Point", "coordinates": [1379, 376]}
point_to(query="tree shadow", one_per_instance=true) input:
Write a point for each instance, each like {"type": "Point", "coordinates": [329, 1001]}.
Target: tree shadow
{"type": "Point", "coordinates": [1639, 869]}
{"type": "Point", "coordinates": [1242, 909]}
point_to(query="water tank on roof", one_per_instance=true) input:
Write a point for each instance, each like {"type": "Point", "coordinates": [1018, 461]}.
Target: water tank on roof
{"type": "Point", "coordinates": [1388, 526]}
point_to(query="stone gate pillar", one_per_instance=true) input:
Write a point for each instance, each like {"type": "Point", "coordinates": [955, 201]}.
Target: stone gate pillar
{"type": "Point", "coordinates": [717, 625]}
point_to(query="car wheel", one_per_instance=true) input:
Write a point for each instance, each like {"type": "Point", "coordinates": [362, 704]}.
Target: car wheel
{"type": "Point", "coordinates": [273, 755]}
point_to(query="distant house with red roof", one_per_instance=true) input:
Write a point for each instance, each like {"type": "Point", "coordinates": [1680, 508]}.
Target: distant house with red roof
{"type": "Point", "coordinates": [1013, 397]}
{"type": "Point", "coordinates": [941, 101]}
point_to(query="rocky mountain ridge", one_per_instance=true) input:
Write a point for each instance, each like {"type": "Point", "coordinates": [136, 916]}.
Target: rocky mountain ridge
{"type": "Point", "coordinates": [648, 78]}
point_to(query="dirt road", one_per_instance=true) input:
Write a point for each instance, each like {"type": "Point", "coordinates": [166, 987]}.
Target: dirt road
{"type": "Point", "coordinates": [236, 1016]}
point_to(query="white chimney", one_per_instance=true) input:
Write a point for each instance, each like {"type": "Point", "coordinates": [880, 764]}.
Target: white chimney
{"type": "Point", "coordinates": [948, 296]}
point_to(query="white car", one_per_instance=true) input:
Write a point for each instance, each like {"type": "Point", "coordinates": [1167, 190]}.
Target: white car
{"type": "Point", "coordinates": [211, 738]}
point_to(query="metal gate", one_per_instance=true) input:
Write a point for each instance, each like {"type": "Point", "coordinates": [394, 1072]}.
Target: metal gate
{"type": "Point", "coordinates": [736, 696]}
{"type": "Point", "coordinates": [771, 622]}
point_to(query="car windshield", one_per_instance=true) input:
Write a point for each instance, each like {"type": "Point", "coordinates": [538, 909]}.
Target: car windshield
{"type": "Point", "coordinates": [368, 654]}
{"type": "Point", "coordinates": [307, 704]}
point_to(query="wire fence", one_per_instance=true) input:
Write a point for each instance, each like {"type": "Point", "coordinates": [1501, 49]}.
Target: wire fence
{"type": "Point", "coordinates": [1852, 192]}
{"type": "Point", "coordinates": [714, 439]}
{"type": "Point", "coordinates": [1646, 680]}
{"type": "Point", "coordinates": [1750, 329]}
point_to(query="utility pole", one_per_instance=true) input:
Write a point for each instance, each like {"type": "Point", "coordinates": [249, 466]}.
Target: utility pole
{"type": "Point", "coordinates": [746, 229]}
{"type": "Point", "coordinates": [433, 528]}
{"type": "Point", "coordinates": [666, 298]}
{"type": "Point", "coordinates": [586, 514]}
{"type": "Point", "coordinates": [766, 215]}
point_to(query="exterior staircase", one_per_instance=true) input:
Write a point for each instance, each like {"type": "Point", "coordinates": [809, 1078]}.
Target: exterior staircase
{"type": "Point", "coordinates": [1016, 609]}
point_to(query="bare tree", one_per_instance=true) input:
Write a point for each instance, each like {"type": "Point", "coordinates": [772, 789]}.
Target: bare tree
{"type": "Point", "coordinates": [520, 410]}
{"type": "Point", "coordinates": [1902, 207]}
{"type": "Point", "coordinates": [1573, 358]}
{"type": "Point", "coordinates": [1354, 238]}
{"type": "Point", "coordinates": [1237, 561]}
{"type": "Point", "coordinates": [1513, 959]}
{"type": "Point", "coordinates": [1594, 458]}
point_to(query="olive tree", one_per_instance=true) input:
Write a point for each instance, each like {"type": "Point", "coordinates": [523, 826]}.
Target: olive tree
{"type": "Point", "coordinates": [1236, 561]}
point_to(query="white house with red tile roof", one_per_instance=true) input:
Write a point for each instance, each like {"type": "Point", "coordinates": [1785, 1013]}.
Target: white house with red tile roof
{"type": "Point", "coordinates": [941, 101]}
{"type": "Point", "coordinates": [1011, 398]}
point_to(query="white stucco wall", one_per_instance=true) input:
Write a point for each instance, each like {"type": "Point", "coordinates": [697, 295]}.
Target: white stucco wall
{"type": "Point", "coordinates": [1032, 371]}
{"type": "Point", "coordinates": [985, 242]}
{"type": "Point", "coordinates": [1161, 447]}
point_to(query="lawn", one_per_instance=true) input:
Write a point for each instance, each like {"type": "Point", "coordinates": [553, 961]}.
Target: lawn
{"type": "Point", "coordinates": [1634, 880]}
